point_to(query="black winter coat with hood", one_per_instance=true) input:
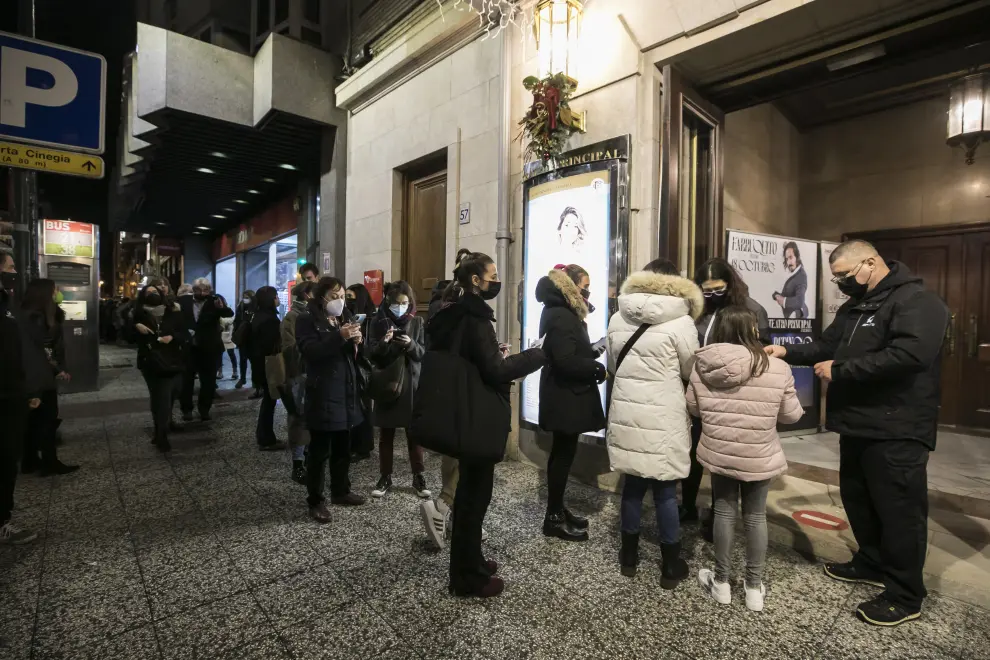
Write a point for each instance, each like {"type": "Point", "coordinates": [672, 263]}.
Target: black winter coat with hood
{"type": "Point", "coordinates": [333, 381]}
{"type": "Point", "coordinates": [886, 348]}
{"type": "Point", "coordinates": [570, 401]}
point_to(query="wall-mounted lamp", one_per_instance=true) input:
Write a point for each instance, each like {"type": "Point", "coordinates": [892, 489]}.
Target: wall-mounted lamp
{"type": "Point", "coordinates": [557, 26]}
{"type": "Point", "coordinates": [969, 114]}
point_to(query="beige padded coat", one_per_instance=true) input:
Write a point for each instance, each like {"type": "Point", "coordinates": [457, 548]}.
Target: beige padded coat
{"type": "Point", "coordinates": [739, 413]}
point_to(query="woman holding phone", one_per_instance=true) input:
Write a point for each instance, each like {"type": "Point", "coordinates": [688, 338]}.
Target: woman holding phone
{"type": "Point", "coordinates": [331, 345]}
{"type": "Point", "coordinates": [397, 334]}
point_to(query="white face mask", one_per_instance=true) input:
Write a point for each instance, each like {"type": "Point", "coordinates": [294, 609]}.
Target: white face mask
{"type": "Point", "coordinates": [398, 311]}
{"type": "Point", "coordinates": [335, 307]}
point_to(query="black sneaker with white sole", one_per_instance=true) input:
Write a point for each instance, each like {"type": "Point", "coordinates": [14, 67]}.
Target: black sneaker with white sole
{"type": "Point", "coordinates": [883, 612]}
{"type": "Point", "coordinates": [849, 572]}
{"type": "Point", "coordinates": [419, 485]}
{"type": "Point", "coordinates": [383, 486]}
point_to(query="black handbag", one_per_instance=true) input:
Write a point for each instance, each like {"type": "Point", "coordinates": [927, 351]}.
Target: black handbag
{"type": "Point", "coordinates": [242, 334]}
{"type": "Point", "coordinates": [455, 413]}
{"type": "Point", "coordinates": [386, 383]}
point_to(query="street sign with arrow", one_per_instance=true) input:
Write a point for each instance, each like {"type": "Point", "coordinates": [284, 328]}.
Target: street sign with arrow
{"type": "Point", "coordinates": [49, 160]}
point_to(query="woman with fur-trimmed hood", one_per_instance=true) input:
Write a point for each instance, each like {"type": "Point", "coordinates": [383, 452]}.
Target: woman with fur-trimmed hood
{"type": "Point", "coordinates": [649, 429]}
{"type": "Point", "coordinates": [570, 403]}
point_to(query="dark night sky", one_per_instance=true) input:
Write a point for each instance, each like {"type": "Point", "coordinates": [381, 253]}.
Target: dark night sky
{"type": "Point", "coordinates": [102, 26]}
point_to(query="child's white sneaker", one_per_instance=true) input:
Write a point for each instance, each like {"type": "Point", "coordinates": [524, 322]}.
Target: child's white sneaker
{"type": "Point", "coordinates": [720, 591]}
{"type": "Point", "coordinates": [754, 597]}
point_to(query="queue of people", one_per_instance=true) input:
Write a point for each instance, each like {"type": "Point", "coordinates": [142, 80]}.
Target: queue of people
{"type": "Point", "coordinates": [696, 384]}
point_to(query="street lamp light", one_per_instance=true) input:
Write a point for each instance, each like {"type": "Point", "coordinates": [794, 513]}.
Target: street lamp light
{"type": "Point", "coordinates": [969, 114]}
{"type": "Point", "coordinates": [557, 25]}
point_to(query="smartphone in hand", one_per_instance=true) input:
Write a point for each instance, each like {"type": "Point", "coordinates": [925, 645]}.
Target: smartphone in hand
{"type": "Point", "coordinates": [360, 318]}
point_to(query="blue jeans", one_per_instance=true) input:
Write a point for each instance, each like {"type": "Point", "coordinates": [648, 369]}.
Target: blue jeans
{"type": "Point", "coordinates": [665, 498]}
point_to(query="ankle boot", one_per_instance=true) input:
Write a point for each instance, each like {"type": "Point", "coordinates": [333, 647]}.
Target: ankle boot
{"type": "Point", "coordinates": [299, 472]}
{"type": "Point", "coordinates": [629, 554]}
{"type": "Point", "coordinates": [556, 525]}
{"type": "Point", "coordinates": [574, 520]}
{"type": "Point", "coordinates": [674, 568]}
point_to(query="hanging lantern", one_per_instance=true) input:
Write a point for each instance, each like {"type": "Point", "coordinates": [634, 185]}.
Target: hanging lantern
{"type": "Point", "coordinates": [969, 114]}
{"type": "Point", "coordinates": [557, 27]}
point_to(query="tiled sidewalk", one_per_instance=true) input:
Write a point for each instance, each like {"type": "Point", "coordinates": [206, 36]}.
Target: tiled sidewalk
{"type": "Point", "coordinates": [210, 555]}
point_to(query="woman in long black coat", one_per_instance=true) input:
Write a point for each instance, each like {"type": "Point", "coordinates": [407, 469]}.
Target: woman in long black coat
{"type": "Point", "coordinates": [331, 347]}
{"type": "Point", "coordinates": [266, 339]}
{"type": "Point", "coordinates": [570, 402]}
{"type": "Point", "coordinates": [398, 334]}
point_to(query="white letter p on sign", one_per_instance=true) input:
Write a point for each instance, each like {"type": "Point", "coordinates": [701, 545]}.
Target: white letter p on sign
{"type": "Point", "coordinates": [16, 95]}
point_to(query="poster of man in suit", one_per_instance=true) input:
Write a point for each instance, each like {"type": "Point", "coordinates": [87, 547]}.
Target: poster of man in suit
{"type": "Point", "coordinates": [792, 297]}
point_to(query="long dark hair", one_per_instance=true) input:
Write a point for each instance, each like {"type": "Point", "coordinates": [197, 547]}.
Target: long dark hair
{"type": "Point", "coordinates": [793, 247]}
{"type": "Point", "coordinates": [39, 297]}
{"type": "Point", "coordinates": [475, 263]}
{"type": "Point", "coordinates": [266, 299]}
{"type": "Point", "coordinates": [363, 304]}
{"type": "Point", "coordinates": [738, 325]}
{"type": "Point", "coordinates": [142, 297]}
{"type": "Point", "coordinates": [720, 269]}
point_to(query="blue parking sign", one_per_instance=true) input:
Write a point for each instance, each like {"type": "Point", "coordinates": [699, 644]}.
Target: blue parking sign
{"type": "Point", "coordinates": [51, 95]}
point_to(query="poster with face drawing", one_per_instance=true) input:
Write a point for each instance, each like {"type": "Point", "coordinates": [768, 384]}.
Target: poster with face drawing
{"type": "Point", "coordinates": [568, 222]}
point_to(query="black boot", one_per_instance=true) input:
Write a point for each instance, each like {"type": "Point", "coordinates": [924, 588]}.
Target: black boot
{"type": "Point", "coordinates": [556, 525]}
{"type": "Point", "coordinates": [629, 554]}
{"type": "Point", "coordinates": [674, 568]}
{"type": "Point", "coordinates": [299, 472]}
{"type": "Point", "coordinates": [575, 521]}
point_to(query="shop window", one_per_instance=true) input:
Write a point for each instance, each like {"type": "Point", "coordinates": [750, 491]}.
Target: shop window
{"type": "Point", "coordinates": [311, 11]}
{"type": "Point", "coordinates": [312, 36]}
{"type": "Point", "coordinates": [281, 11]}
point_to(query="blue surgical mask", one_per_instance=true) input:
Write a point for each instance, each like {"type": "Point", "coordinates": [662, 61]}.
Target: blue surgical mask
{"type": "Point", "coordinates": [398, 311]}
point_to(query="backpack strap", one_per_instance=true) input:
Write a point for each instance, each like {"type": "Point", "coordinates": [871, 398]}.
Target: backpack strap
{"type": "Point", "coordinates": [629, 344]}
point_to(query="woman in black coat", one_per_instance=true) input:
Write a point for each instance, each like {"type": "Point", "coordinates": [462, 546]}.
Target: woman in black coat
{"type": "Point", "coordinates": [38, 324]}
{"type": "Point", "coordinates": [570, 403]}
{"type": "Point", "coordinates": [359, 302]}
{"type": "Point", "coordinates": [331, 348]}
{"type": "Point", "coordinates": [470, 317]}
{"type": "Point", "coordinates": [160, 331]}
{"type": "Point", "coordinates": [242, 317]}
{"type": "Point", "coordinates": [397, 334]}
{"type": "Point", "coordinates": [266, 339]}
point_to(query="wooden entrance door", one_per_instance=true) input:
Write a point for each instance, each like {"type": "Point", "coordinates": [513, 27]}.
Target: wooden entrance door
{"type": "Point", "coordinates": [954, 263]}
{"type": "Point", "coordinates": [424, 234]}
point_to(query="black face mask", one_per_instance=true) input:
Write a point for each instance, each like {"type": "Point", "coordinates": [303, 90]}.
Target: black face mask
{"type": "Point", "coordinates": [586, 295]}
{"type": "Point", "coordinates": [852, 288]}
{"type": "Point", "coordinates": [153, 300]}
{"type": "Point", "coordinates": [493, 290]}
{"type": "Point", "coordinates": [351, 304]}
{"type": "Point", "coordinates": [8, 281]}
{"type": "Point", "coordinates": [716, 302]}
{"type": "Point", "coordinates": [199, 297]}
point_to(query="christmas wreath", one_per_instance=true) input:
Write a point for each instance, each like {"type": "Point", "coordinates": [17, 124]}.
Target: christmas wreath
{"type": "Point", "coordinates": [547, 122]}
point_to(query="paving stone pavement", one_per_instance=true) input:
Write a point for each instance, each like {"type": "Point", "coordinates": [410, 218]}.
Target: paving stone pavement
{"type": "Point", "coordinates": [209, 554]}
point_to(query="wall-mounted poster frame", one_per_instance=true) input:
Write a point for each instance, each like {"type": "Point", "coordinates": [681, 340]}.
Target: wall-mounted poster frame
{"type": "Point", "coordinates": [575, 213]}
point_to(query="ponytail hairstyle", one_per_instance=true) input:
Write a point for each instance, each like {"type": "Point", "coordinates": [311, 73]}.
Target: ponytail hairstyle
{"type": "Point", "coordinates": [738, 325]}
{"type": "Point", "coordinates": [573, 271]}
{"type": "Point", "coordinates": [469, 265]}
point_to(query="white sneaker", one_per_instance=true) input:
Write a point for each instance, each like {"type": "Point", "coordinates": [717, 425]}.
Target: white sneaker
{"type": "Point", "coordinates": [754, 597]}
{"type": "Point", "coordinates": [720, 591]}
{"type": "Point", "coordinates": [435, 521]}
{"type": "Point", "coordinates": [11, 534]}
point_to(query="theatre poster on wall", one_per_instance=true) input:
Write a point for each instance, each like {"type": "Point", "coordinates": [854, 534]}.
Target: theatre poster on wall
{"type": "Point", "coordinates": [782, 276]}
{"type": "Point", "coordinates": [832, 298]}
{"type": "Point", "coordinates": [65, 238]}
{"type": "Point", "coordinates": [568, 221]}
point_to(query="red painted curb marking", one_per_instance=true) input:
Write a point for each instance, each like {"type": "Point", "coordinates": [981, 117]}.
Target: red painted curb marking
{"type": "Point", "coordinates": [820, 520]}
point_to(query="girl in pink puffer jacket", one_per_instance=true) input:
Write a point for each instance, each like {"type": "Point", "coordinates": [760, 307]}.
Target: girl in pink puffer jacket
{"type": "Point", "coordinates": [740, 394]}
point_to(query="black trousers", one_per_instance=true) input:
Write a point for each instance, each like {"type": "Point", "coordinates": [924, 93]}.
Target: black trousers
{"type": "Point", "coordinates": [203, 364]}
{"type": "Point", "coordinates": [474, 494]}
{"type": "Point", "coordinates": [42, 423]}
{"type": "Point", "coordinates": [161, 394]}
{"type": "Point", "coordinates": [691, 484]}
{"type": "Point", "coordinates": [333, 447]}
{"type": "Point", "coordinates": [242, 357]}
{"type": "Point", "coordinates": [265, 431]}
{"type": "Point", "coordinates": [13, 412]}
{"type": "Point", "coordinates": [558, 469]}
{"type": "Point", "coordinates": [363, 435]}
{"type": "Point", "coordinates": [884, 488]}
{"type": "Point", "coordinates": [233, 360]}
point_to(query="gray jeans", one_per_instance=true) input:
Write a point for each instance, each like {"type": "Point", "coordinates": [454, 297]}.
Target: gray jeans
{"type": "Point", "coordinates": [754, 508]}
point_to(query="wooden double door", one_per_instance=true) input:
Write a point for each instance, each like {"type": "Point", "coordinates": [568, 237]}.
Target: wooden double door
{"type": "Point", "coordinates": [955, 264]}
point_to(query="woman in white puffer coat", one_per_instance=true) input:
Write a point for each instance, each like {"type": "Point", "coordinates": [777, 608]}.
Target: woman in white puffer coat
{"type": "Point", "coordinates": [649, 429]}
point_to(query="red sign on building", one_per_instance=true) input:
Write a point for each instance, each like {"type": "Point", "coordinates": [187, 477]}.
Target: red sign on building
{"type": "Point", "coordinates": [374, 282]}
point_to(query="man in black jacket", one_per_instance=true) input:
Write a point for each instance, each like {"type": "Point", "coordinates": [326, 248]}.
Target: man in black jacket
{"type": "Point", "coordinates": [14, 404]}
{"type": "Point", "coordinates": [881, 358]}
{"type": "Point", "coordinates": [202, 313]}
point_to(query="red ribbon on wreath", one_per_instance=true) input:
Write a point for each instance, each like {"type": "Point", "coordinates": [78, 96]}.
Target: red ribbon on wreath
{"type": "Point", "coordinates": [551, 99]}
